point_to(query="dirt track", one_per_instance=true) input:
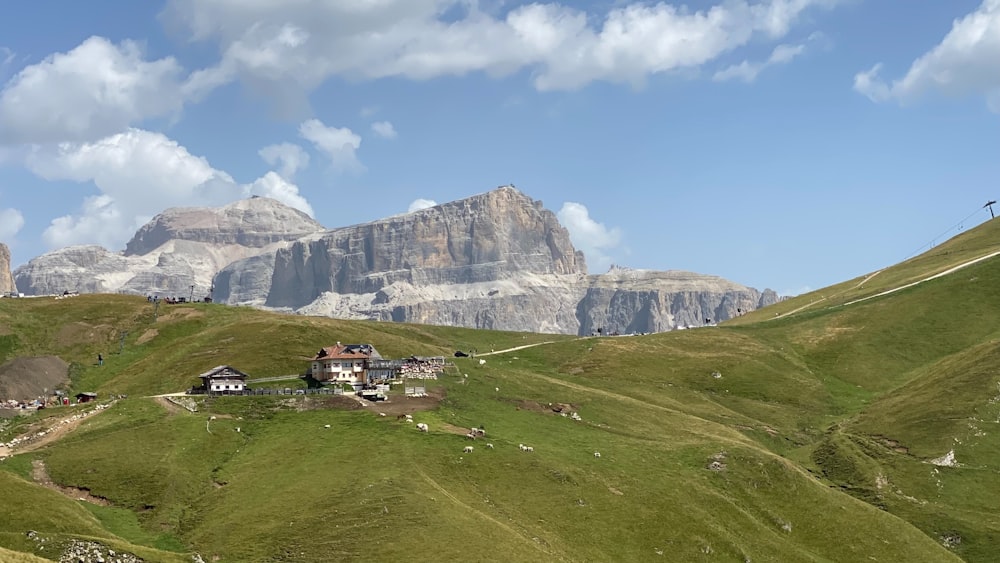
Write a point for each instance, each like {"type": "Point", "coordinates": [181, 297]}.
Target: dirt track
{"type": "Point", "coordinates": [41, 476]}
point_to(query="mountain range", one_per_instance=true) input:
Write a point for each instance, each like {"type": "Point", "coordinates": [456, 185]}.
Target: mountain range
{"type": "Point", "coordinates": [497, 260]}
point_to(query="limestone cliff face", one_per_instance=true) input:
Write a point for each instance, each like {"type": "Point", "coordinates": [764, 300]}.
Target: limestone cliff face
{"type": "Point", "coordinates": [493, 236]}
{"type": "Point", "coordinates": [6, 278]}
{"type": "Point", "coordinates": [638, 301]}
{"type": "Point", "coordinates": [178, 249]}
{"type": "Point", "coordinates": [255, 222]}
{"type": "Point", "coordinates": [497, 260]}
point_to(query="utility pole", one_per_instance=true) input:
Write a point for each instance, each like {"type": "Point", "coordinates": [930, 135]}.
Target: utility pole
{"type": "Point", "coordinates": [989, 204]}
{"type": "Point", "coordinates": [191, 298]}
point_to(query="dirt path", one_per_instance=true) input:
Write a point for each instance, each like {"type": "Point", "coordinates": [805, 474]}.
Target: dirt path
{"type": "Point", "coordinates": [951, 270]}
{"type": "Point", "coordinates": [437, 486]}
{"type": "Point", "coordinates": [171, 407]}
{"type": "Point", "coordinates": [41, 435]}
{"type": "Point", "coordinates": [41, 476]}
{"type": "Point", "coordinates": [516, 348]}
{"type": "Point", "coordinates": [929, 278]}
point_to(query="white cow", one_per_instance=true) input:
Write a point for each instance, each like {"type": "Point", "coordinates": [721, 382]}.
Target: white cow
{"type": "Point", "coordinates": [490, 446]}
{"type": "Point", "coordinates": [467, 449]}
{"type": "Point", "coordinates": [597, 454]}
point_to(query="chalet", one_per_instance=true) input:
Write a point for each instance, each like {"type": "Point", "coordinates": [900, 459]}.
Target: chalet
{"type": "Point", "coordinates": [344, 363]}
{"type": "Point", "coordinates": [224, 379]}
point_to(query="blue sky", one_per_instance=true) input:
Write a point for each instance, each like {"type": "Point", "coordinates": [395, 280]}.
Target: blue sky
{"type": "Point", "coordinates": [788, 144]}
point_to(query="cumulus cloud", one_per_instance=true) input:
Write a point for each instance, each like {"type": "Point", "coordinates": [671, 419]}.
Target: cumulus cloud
{"type": "Point", "coordinates": [384, 129]}
{"type": "Point", "coordinates": [964, 63]}
{"type": "Point", "coordinates": [419, 204]}
{"type": "Point", "coordinates": [593, 238]}
{"type": "Point", "coordinates": [138, 174]}
{"type": "Point", "coordinates": [301, 43]}
{"type": "Point", "coordinates": [339, 144]}
{"type": "Point", "coordinates": [11, 221]}
{"type": "Point", "coordinates": [288, 157]}
{"type": "Point", "coordinates": [96, 89]}
{"type": "Point", "coordinates": [748, 71]}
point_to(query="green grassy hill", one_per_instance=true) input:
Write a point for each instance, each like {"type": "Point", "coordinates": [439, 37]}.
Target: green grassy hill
{"type": "Point", "coordinates": [802, 436]}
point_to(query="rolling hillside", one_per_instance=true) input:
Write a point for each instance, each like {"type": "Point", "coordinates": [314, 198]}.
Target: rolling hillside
{"type": "Point", "coordinates": [818, 429]}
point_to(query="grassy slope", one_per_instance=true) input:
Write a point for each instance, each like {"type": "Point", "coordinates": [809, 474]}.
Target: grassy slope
{"type": "Point", "coordinates": [815, 392]}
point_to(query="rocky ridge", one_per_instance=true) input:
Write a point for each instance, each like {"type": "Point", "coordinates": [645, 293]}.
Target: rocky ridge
{"type": "Point", "coordinates": [497, 260]}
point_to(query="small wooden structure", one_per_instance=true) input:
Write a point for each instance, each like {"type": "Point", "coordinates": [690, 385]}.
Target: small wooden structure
{"type": "Point", "coordinates": [223, 379]}
{"type": "Point", "coordinates": [86, 397]}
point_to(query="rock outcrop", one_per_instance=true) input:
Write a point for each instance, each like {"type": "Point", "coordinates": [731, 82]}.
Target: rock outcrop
{"type": "Point", "coordinates": [497, 260]}
{"type": "Point", "coordinates": [178, 253]}
{"type": "Point", "coordinates": [6, 278]}
{"type": "Point", "coordinates": [498, 235]}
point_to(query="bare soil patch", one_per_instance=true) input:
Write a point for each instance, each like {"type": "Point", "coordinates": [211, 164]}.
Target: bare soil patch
{"type": "Point", "coordinates": [29, 378]}
{"type": "Point", "coordinates": [551, 408]}
{"type": "Point", "coordinates": [401, 404]}
{"type": "Point", "coordinates": [171, 407]}
{"type": "Point", "coordinates": [41, 476]}
{"type": "Point", "coordinates": [147, 336]}
{"type": "Point", "coordinates": [181, 314]}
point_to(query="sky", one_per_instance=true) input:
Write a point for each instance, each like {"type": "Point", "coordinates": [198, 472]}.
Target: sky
{"type": "Point", "coordinates": [783, 144]}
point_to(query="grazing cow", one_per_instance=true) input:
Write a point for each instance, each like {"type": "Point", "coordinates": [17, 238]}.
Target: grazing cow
{"type": "Point", "coordinates": [467, 449]}
{"type": "Point", "coordinates": [490, 446]}
{"type": "Point", "coordinates": [597, 454]}
{"type": "Point", "coordinates": [422, 426]}
{"type": "Point", "coordinates": [470, 436]}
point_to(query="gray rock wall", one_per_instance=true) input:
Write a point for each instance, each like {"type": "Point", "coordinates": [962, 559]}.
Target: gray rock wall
{"type": "Point", "coordinates": [6, 278]}
{"type": "Point", "coordinates": [489, 237]}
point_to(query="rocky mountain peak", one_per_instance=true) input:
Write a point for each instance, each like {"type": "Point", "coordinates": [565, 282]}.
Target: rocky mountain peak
{"type": "Point", "coordinates": [253, 222]}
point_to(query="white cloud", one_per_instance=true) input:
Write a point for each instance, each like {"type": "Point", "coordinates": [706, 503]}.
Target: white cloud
{"type": "Point", "coordinates": [11, 221]}
{"type": "Point", "coordinates": [340, 144]}
{"type": "Point", "coordinates": [138, 174]}
{"type": "Point", "coordinates": [748, 71]}
{"type": "Point", "coordinates": [593, 238]}
{"type": "Point", "coordinates": [289, 157]}
{"type": "Point", "coordinates": [93, 90]}
{"type": "Point", "coordinates": [419, 204]}
{"type": "Point", "coordinates": [384, 129]}
{"type": "Point", "coordinates": [565, 48]}
{"type": "Point", "coordinates": [964, 63]}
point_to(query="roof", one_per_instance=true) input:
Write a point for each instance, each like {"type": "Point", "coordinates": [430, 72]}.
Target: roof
{"type": "Point", "coordinates": [87, 394]}
{"type": "Point", "coordinates": [224, 371]}
{"type": "Point", "coordinates": [347, 352]}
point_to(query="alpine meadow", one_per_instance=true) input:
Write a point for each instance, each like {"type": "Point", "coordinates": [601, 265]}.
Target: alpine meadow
{"type": "Point", "coordinates": [854, 423]}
